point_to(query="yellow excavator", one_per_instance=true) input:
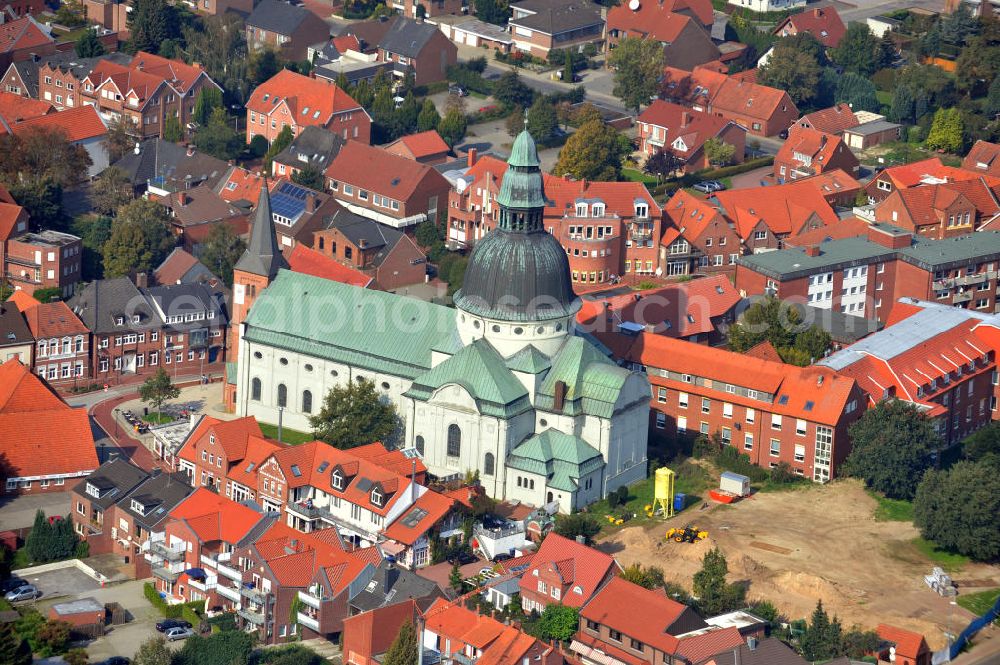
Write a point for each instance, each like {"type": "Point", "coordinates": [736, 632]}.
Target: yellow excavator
{"type": "Point", "coordinates": [688, 534]}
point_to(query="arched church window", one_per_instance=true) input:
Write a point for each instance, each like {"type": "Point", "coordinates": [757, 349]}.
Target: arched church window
{"type": "Point", "coordinates": [454, 441]}
{"type": "Point", "coordinates": [255, 390]}
{"type": "Point", "coordinates": [307, 401]}
{"type": "Point", "coordinates": [488, 464]}
{"type": "Point", "coordinates": [282, 395]}
{"type": "Point", "coordinates": [419, 444]}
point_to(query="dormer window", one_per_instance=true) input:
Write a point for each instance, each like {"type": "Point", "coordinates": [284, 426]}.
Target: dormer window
{"type": "Point", "coordinates": [581, 209]}
{"type": "Point", "coordinates": [92, 490]}
{"type": "Point", "coordinates": [119, 320]}
{"type": "Point", "coordinates": [138, 507]}
{"type": "Point", "coordinates": [376, 497]}
{"type": "Point", "coordinates": [337, 480]}
{"type": "Point", "coordinates": [641, 210]}
{"type": "Point", "coordinates": [211, 438]}
{"type": "Point", "coordinates": [598, 210]}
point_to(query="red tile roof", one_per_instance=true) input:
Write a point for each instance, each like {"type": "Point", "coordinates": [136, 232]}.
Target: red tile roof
{"type": "Point", "coordinates": [675, 310]}
{"type": "Point", "coordinates": [705, 645]}
{"type": "Point", "coordinates": [500, 644]}
{"type": "Point", "coordinates": [215, 518]}
{"type": "Point", "coordinates": [908, 644]}
{"type": "Point", "coordinates": [23, 300]}
{"type": "Point", "coordinates": [258, 449]}
{"type": "Point", "coordinates": [643, 614]}
{"type": "Point", "coordinates": [578, 565]}
{"type": "Point", "coordinates": [231, 435]}
{"type": "Point", "coordinates": [836, 183]}
{"type": "Point", "coordinates": [784, 209]}
{"type": "Point", "coordinates": [407, 528]}
{"type": "Point", "coordinates": [15, 109]}
{"type": "Point", "coordinates": [53, 319]}
{"type": "Point", "coordinates": [847, 228]}
{"type": "Point", "coordinates": [42, 435]}
{"type": "Point", "coordinates": [765, 351]}
{"type": "Point", "coordinates": [833, 120]}
{"type": "Point", "coordinates": [364, 640]}
{"type": "Point", "coordinates": [346, 42]}
{"type": "Point", "coordinates": [391, 460]}
{"type": "Point", "coordinates": [9, 215]}
{"type": "Point", "coordinates": [680, 122]}
{"type": "Point", "coordinates": [295, 557]}
{"type": "Point", "coordinates": [619, 197]}
{"type": "Point", "coordinates": [22, 33]}
{"type": "Point", "coordinates": [310, 101]}
{"type": "Point", "coordinates": [240, 184]}
{"type": "Point", "coordinates": [145, 74]}
{"type": "Point", "coordinates": [820, 147]}
{"type": "Point", "coordinates": [823, 23]}
{"type": "Point", "coordinates": [79, 124]}
{"type": "Point", "coordinates": [916, 173]}
{"type": "Point", "coordinates": [650, 17]}
{"type": "Point", "coordinates": [984, 157]}
{"type": "Point", "coordinates": [418, 146]}
{"type": "Point", "coordinates": [372, 168]}
{"type": "Point", "coordinates": [726, 93]}
{"type": "Point", "coordinates": [690, 216]}
{"type": "Point", "coordinates": [310, 262]}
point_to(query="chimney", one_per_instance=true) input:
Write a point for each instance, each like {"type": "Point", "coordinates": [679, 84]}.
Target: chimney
{"type": "Point", "coordinates": [580, 539]}
{"type": "Point", "coordinates": [585, 184]}
{"type": "Point", "coordinates": [560, 396]}
{"type": "Point", "coordinates": [472, 155]}
{"type": "Point", "coordinates": [812, 250]}
{"type": "Point", "coordinates": [817, 12]}
{"type": "Point", "coordinates": [141, 280]}
{"type": "Point", "coordinates": [362, 243]}
{"type": "Point", "coordinates": [413, 480]}
{"type": "Point", "coordinates": [310, 203]}
{"type": "Point", "coordinates": [389, 576]}
{"type": "Point", "coordinates": [685, 119]}
{"type": "Point", "coordinates": [888, 237]}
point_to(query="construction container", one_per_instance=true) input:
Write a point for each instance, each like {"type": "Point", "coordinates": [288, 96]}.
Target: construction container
{"type": "Point", "coordinates": [734, 483]}
{"type": "Point", "coordinates": [679, 499]}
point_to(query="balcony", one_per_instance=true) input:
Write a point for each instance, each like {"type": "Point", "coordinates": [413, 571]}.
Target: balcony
{"type": "Point", "coordinates": [212, 560]}
{"type": "Point", "coordinates": [168, 574]}
{"type": "Point", "coordinates": [228, 592]}
{"type": "Point", "coordinates": [311, 513]}
{"type": "Point", "coordinates": [169, 553]}
{"type": "Point", "coordinates": [255, 595]}
{"type": "Point", "coordinates": [308, 599]}
{"type": "Point", "coordinates": [307, 621]}
{"type": "Point", "coordinates": [210, 583]}
{"type": "Point", "coordinates": [962, 297]}
{"type": "Point", "coordinates": [231, 573]}
{"type": "Point", "coordinates": [252, 617]}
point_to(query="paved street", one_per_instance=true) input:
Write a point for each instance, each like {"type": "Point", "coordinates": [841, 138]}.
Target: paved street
{"type": "Point", "coordinates": [860, 10]}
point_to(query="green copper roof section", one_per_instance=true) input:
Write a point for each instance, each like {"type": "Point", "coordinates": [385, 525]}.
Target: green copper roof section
{"type": "Point", "coordinates": [562, 458]}
{"type": "Point", "coordinates": [368, 329]}
{"type": "Point", "coordinates": [479, 369]}
{"type": "Point", "coordinates": [231, 372]}
{"type": "Point", "coordinates": [522, 185]}
{"type": "Point", "coordinates": [529, 360]}
{"type": "Point", "coordinates": [593, 382]}
{"type": "Point", "coordinates": [524, 152]}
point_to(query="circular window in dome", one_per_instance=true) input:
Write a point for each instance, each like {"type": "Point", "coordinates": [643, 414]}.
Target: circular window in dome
{"type": "Point", "coordinates": [334, 372]}
{"type": "Point", "coordinates": [496, 328]}
{"type": "Point", "coordinates": [258, 355]}
{"type": "Point", "coordinates": [385, 385]}
{"type": "Point", "coordinates": [283, 361]}
{"type": "Point", "coordinates": [543, 423]}
{"type": "Point", "coordinates": [518, 331]}
{"type": "Point", "coordinates": [476, 324]}
{"type": "Point", "coordinates": [558, 327]}
{"type": "Point", "coordinates": [539, 330]}
{"type": "Point", "coordinates": [309, 367]}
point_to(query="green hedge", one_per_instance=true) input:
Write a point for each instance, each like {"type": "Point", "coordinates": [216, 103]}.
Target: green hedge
{"type": "Point", "coordinates": [187, 611]}
{"type": "Point", "coordinates": [736, 169]}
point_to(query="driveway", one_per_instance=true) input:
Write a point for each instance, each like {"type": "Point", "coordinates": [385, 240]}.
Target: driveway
{"type": "Point", "coordinates": [19, 511]}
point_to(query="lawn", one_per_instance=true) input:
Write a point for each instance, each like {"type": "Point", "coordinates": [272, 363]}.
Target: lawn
{"type": "Point", "coordinates": [635, 175]}
{"type": "Point", "coordinates": [290, 436]}
{"type": "Point", "coordinates": [691, 480]}
{"type": "Point", "coordinates": [950, 561]}
{"type": "Point", "coordinates": [892, 510]}
{"type": "Point", "coordinates": [154, 418]}
{"type": "Point", "coordinates": [979, 603]}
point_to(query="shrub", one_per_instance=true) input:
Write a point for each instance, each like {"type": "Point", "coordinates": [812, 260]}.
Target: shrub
{"type": "Point", "coordinates": [623, 494]}
{"type": "Point", "coordinates": [612, 500]}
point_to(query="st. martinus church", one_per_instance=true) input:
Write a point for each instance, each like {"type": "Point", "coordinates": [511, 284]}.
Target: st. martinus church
{"type": "Point", "coordinates": [502, 383]}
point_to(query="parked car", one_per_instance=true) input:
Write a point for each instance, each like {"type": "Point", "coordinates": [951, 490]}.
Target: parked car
{"type": "Point", "coordinates": [27, 592]}
{"type": "Point", "coordinates": [13, 583]}
{"type": "Point", "coordinates": [457, 90]}
{"type": "Point", "coordinates": [462, 558]}
{"type": "Point", "coordinates": [178, 634]}
{"type": "Point", "coordinates": [503, 556]}
{"type": "Point", "coordinates": [709, 186]}
{"type": "Point", "coordinates": [117, 660]}
{"type": "Point", "coordinates": [168, 624]}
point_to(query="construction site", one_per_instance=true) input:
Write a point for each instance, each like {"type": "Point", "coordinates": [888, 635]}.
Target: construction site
{"type": "Point", "coordinates": [813, 543]}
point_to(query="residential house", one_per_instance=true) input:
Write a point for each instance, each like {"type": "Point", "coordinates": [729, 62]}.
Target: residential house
{"type": "Point", "coordinates": [16, 342]}
{"type": "Point", "coordinates": [937, 357]}
{"type": "Point", "coordinates": [58, 79]}
{"type": "Point", "coordinates": [680, 26]}
{"type": "Point", "coordinates": [45, 441]}
{"type": "Point", "coordinates": [407, 539]}
{"type": "Point", "coordinates": [823, 23]}
{"type": "Point", "coordinates": [392, 584]}
{"type": "Point", "coordinates": [390, 189]}
{"type": "Point", "coordinates": [838, 188]}
{"type": "Point", "coordinates": [92, 500]}
{"type": "Point", "coordinates": [867, 274]}
{"type": "Point", "coordinates": [297, 212]}
{"type": "Point", "coordinates": [424, 147]}
{"type": "Point", "coordinates": [431, 8]}
{"type": "Point", "coordinates": [770, 411]}
{"type": "Point", "coordinates": [566, 572]}
{"type": "Point", "coordinates": [764, 216]}
{"type": "Point", "coordinates": [62, 342]}
{"type": "Point", "coordinates": [417, 47]}
{"type": "Point", "coordinates": [291, 99]}
{"type": "Point", "coordinates": [833, 120]}
{"type": "Point", "coordinates": [160, 167]}
{"type": "Point", "coordinates": [43, 260]}
{"type": "Point", "coordinates": [221, 7]}
{"type": "Point", "coordinates": [763, 6]}
{"type": "Point", "coordinates": [111, 15]}
{"type": "Point", "coordinates": [907, 647]}
{"type": "Point", "coordinates": [384, 254]}
{"type": "Point", "coordinates": [943, 211]}
{"type": "Point", "coordinates": [324, 604]}
{"type": "Point", "coordinates": [983, 158]}
{"type": "Point", "coordinates": [762, 110]}
{"type": "Point", "coordinates": [22, 37]}
{"type": "Point", "coordinates": [81, 126]}
{"type": "Point", "coordinates": [925, 172]}
{"type": "Point", "coordinates": [19, 8]}
{"type": "Point", "coordinates": [312, 262]}
{"type": "Point", "coordinates": [769, 651]}
{"type": "Point", "coordinates": [313, 148]}
{"type": "Point", "coordinates": [13, 222]}
{"type": "Point", "coordinates": [181, 267]}
{"type": "Point", "coordinates": [14, 108]}
{"type": "Point", "coordinates": [682, 132]}
{"type": "Point", "coordinates": [872, 133]}
{"type": "Point", "coordinates": [809, 152]}
{"type": "Point", "coordinates": [286, 28]}
{"type": "Point", "coordinates": [364, 644]}
{"type": "Point", "coordinates": [540, 26]}
{"type": "Point", "coordinates": [699, 310]}
{"type": "Point", "coordinates": [215, 450]}
{"type": "Point", "coordinates": [146, 92]}
{"type": "Point", "coordinates": [196, 211]}
{"type": "Point", "coordinates": [240, 187]}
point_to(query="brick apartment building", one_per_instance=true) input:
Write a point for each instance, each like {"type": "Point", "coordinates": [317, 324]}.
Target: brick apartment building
{"type": "Point", "coordinates": [288, 98]}
{"type": "Point", "coordinates": [697, 237]}
{"type": "Point", "coordinates": [539, 26]}
{"type": "Point", "coordinates": [62, 342]}
{"type": "Point", "coordinates": [432, 8]}
{"type": "Point", "coordinates": [943, 211]}
{"type": "Point", "coordinates": [867, 274]}
{"type": "Point", "coordinates": [770, 411]}
{"type": "Point", "coordinates": [418, 47]}
{"type": "Point", "coordinates": [57, 78]}
{"type": "Point", "coordinates": [146, 91]}
{"type": "Point", "coordinates": [44, 260]}
{"type": "Point", "coordinates": [925, 172]}
{"type": "Point", "coordinates": [92, 501]}
{"type": "Point", "coordinates": [285, 28]}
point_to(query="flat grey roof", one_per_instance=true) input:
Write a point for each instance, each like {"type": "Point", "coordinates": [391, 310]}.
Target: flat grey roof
{"type": "Point", "coordinates": [873, 127]}
{"type": "Point", "coordinates": [78, 606]}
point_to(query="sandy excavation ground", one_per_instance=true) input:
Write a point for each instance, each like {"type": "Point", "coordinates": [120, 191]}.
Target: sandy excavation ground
{"type": "Point", "coordinates": [797, 547]}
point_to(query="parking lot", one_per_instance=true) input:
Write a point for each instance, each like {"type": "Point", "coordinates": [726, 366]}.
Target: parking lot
{"type": "Point", "coordinates": [18, 511]}
{"type": "Point", "coordinates": [69, 581]}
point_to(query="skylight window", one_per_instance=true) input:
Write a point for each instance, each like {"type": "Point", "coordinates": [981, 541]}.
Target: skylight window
{"type": "Point", "coordinates": [322, 467]}
{"type": "Point", "coordinates": [296, 471]}
{"type": "Point", "coordinates": [266, 95]}
{"type": "Point", "coordinates": [316, 114]}
{"type": "Point", "coordinates": [783, 399]}
{"type": "Point", "coordinates": [305, 111]}
{"type": "Point", "coordinates": [810, 405]}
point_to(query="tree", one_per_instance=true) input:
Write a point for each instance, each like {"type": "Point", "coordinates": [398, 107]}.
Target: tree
{"type": "Point", "coordinates": [515, 121]}
{"type": "Point", "coordinates": [354, 415]}
{"type": "Point", "coordinates": [859, 51]}
{"type": "Point", "coordinates": [153, 651]}
{"type": "Point", "coordinates": [567, 69]}
{"type": "Point", "coordinates": [648, 578]}
{"type": "Point", "coordinates": [858, 91]}
{"type": "Point", "coordinates": [983, 445]}
{"type": "Point", "coordinates": [43, 201]}
{"type": "Point", "coordinates": [427, 234]}
{"type": "Point", "coordinates": [219, 44]}
{"type": "Point", "coordinates": [110, 191]}
{"type": "Point", "coordinates": [493, 11]}
{"type": "Point", "coordinates": [280, 142]}
{"type": "Point", "coordinates": [780, 323]}
{"type": "Point", "coordinates": [221, 250]}
{"type": "Point", "coordinates": [511, 91]}
{"type": "Point", "coordinates": [52, 638]}
{"type": "Point", "coordinates": [94, 231]}
{"type": "Point", "coordinates": [890, 448]}
{"type": "Point", "coordinates": [76, 657]}
{"type": "Point", "coordinates": [718, 152]}
{"type": "Point", "coordinates": [120, 140]}
{"type": "Point", "coordinates": [903, 104]}
{"type": "Point", "coordinates": [558, 622]}
{"type": "Point", "coordinates": [959, 26]}
{"type": "Point", "coordinates": [219, 138]}
{"type": "Point", "coordinates": [946, 131]}
{"type": "Point", "coordinates": [992, 104]}
{"type": "Point", "coordinates": [792, 70]}
{"type": "Point", "coordinates": [455, 578]}
{"type": "Point", "coordinates": [579, 524]}
{"type": "Point", "coordinates": [157, 389]}
{"type": "Point", "coordinates": [88, 45]}
{"type": "Point", "coordinates": [172, 130]}
{"type": "Point", "coordinates": [223, 648]}
{"type": "Point", "coordinates": [263, 65]}
{"type": "Point", "coordinates": [594, 152]}
{"type": "Point", "coordinates": [311, 177]}
{"type": "Point", "coordinates": [638, 65]}
{"type": "Point", "coordinates": [13, 648]}
{"type": "Point", "coordinates": [39, 543]}
{"type": "Point", "coordinates": [403, 650]}
{"type": "Point", "coordinates": [663, 164]}
{"type": "Point", "coordinates": [452, 127]}
{"type": "Point", "coordinates": [150, 23]}
{"type": "Point", "coordinates": [428, 118]}
{"type": "Point", "coordinates": [42, 153]}
{"type": "Point", "coordinates": [208, 99]}
{"type": "Point", "coordinates": [715, 595]}
{"type": "Point", "coordinates": [140, 239]}
{"type": "Point", "coordinates": [959, 509]}
{"type": "Point", "coordinates": [542, 121]}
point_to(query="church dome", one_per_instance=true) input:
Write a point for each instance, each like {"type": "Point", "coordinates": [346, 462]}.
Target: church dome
{"type": "Point", "coordinates": [519, 272]}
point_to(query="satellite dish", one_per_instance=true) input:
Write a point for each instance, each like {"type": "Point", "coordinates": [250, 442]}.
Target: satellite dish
{"type": "Point", "coordinates": [633, 5]}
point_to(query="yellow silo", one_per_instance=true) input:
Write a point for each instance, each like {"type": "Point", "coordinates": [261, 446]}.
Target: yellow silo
{"type": "Point", "coordinates": [663, 490]}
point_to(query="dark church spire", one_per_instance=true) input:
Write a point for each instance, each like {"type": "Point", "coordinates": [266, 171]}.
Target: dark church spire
{"type": "Point", "coordinates": [262, 256]}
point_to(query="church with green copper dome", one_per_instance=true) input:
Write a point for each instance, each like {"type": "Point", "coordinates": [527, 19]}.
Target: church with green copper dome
{"type": "Point", "coordinates": [503, 383]}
